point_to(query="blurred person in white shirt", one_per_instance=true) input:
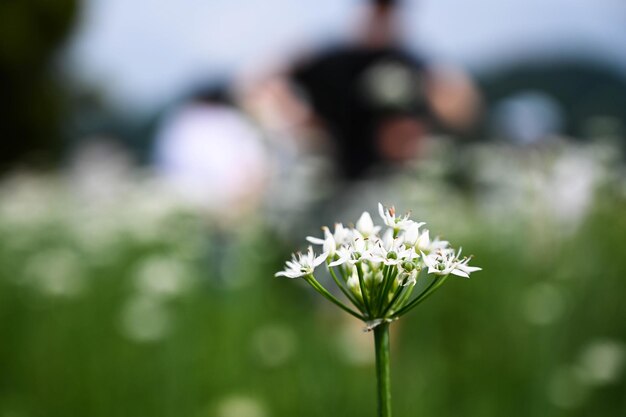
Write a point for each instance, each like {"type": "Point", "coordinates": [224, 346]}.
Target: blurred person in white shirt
{"type": "Point", "coordinates": [212, 155]}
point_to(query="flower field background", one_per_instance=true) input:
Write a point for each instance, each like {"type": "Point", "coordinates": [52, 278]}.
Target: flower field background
{"type": "Point", "coordinates": [134, 304]}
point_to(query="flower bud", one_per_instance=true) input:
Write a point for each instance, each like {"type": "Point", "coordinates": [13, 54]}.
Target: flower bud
{"type": "Point", "coordinates": [408, 266]}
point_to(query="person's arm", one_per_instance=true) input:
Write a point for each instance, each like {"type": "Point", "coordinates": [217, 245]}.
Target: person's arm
{"type": "Point", "coordinates": [453, 98]}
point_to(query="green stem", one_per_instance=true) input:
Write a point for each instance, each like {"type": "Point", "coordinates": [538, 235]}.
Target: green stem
{"type": "Point", "coordinates": [318, 287]}
{"type": "Point", "coordinates": [434, 286]}
{"type": "Point", "coordinates": [381, 342]}
{"type": "Point", "coordinates": [383, 286]}
{"type": "Point", "coordinates": [350, 297]}
{"type": "Point", "coordinates": [400, 290]}
{"type": "Point", "coordinates": [368, 310]}
{"type": "Point", "coordinates": [388, 281]}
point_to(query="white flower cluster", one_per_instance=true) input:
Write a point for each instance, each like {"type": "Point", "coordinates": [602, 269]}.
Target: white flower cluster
{"type": "Point", "coordinates": [378, 269]}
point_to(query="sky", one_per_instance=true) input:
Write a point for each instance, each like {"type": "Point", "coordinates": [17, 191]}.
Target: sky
{"type": "Point", "coordinates": [144, 53]}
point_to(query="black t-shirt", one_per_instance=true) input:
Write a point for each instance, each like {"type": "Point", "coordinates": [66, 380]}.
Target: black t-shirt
{"type": "Point", "coordinates": [353, 89]}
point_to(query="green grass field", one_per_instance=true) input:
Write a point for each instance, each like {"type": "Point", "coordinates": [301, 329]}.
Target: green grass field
{"type": "Point", "coordinates": [109, 312]}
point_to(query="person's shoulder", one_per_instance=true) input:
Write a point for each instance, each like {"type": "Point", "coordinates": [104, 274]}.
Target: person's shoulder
{"type": "Point", "coordinates": [329, 61]}
{"type": "Point", "coordinates": [327, 54]}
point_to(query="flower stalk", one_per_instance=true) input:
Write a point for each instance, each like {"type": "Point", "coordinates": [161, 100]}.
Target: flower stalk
{"type": "Point", "coordinates": [383, 374]}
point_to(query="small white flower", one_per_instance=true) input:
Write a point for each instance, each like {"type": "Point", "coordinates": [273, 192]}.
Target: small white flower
{"type": "Point", "coordinates": [390, 219]}
{"type": "Point", "coordinates": [463, 269]}
{"type": "Point", "coordinates": [302, 264]}
{"type": "Point", "coordinates": [343, 254]}
{"type": "Point", "coordinates": [437, 244]}
{"type": "Point", "coordinates": [360, 246]}
{"type": "Point", "coordinates": [412, 234]}
{"type": "Point", "coordinates": [329, 245]}
{"type": "Point", "coordinates": [423, 241]}
{"type": "Point", "coordinates": [413, 237]}
{"type": "Point", "coordinates": [342, 235]}
{"type": "Point", "coordinates": [440, 262]}
{"type": "Point", "coordinates": [390, 254]}
{"type": "Point", "coordinates": [387, 239]}
{"type": "Point", "coordinates": [365, 225]}
{"type": "Point", "coordinates": [445, 262]}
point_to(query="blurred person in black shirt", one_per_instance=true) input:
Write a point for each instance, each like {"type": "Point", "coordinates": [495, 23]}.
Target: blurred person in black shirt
{"type": "Point", "coordinates": [375, 100]}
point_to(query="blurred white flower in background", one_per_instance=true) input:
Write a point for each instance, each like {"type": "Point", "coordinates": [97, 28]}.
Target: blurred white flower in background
{"type": "Point", "coordinates": [56, 272]}
{"type": "Point", "coordinates": [570, 187]}
{"type": "Point", "coordinates": [566, 388]}
{"type": "Point", "coordinates": [145, 319]}
{"type": "Point", "coordinates": [240, 406]}
{"type": "Point", "coordinates": [100, 170]}
{"type": "Point", "coordinates": [29, 202]}
{"type": "Point", "coordinates": [163, 277]}
{"type": "Point", "coordinates": [274, 344]}
{"type": "Point", "coordinates": [602, 361]}
{"type": "Point", "coordinates": [147, 316]}
{"type": "Point", "coordinates": [554, 184]}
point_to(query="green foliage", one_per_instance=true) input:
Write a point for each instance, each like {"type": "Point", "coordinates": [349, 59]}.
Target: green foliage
{"type": "Point", "coordinates": [165, 316]}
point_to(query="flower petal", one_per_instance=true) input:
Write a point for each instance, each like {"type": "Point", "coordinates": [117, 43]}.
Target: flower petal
{"type": "Point", "coordinates": [459, 273]}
